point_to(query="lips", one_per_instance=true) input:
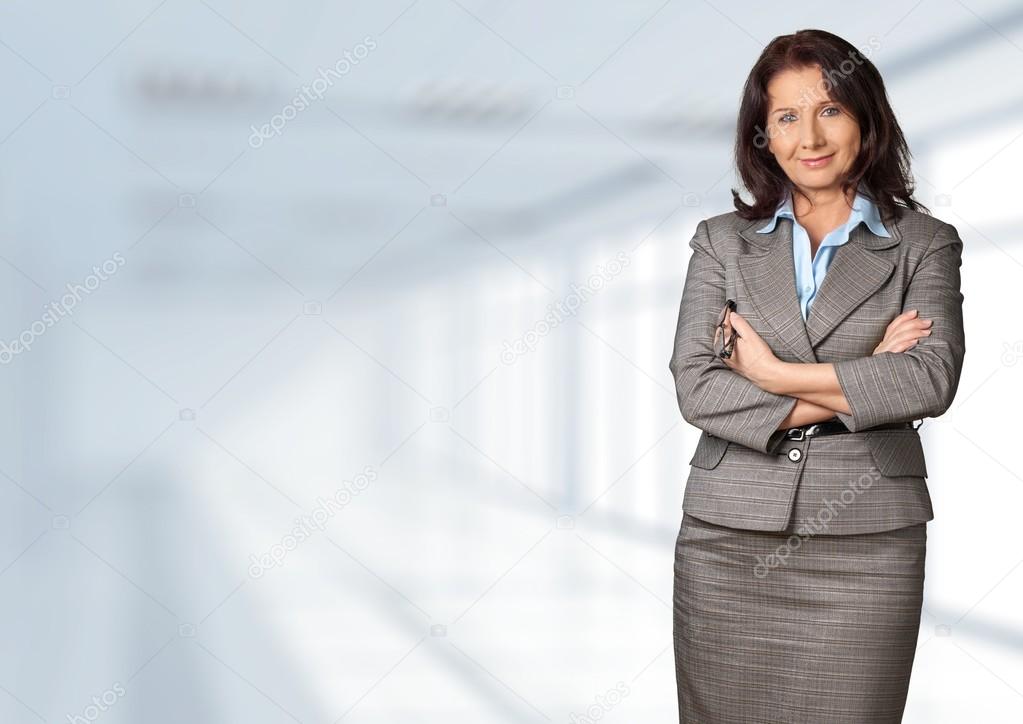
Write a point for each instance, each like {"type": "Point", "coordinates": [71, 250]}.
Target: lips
{"type": "Point", "coordinates": [816, 162]}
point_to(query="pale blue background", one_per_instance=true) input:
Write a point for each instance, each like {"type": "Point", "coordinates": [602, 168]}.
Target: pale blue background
{"type": "Point", "coordinates": [339, 299]}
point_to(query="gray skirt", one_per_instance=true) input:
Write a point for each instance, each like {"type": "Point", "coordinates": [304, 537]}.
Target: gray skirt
{"type": "Point", "coordinates": [770, 627]}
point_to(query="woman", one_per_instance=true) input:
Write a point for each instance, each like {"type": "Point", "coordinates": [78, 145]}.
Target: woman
{"type": "Point", "coordinates": [799, 565]}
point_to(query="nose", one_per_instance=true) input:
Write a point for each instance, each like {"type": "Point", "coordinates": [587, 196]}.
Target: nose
{"type": "Point", "coordinates": [811, 133]}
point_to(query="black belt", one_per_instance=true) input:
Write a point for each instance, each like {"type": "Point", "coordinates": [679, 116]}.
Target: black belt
{"type": "Point", "coordinates": [837, 427]}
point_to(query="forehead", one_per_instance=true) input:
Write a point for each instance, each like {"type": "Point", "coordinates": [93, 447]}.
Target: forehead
{"type": "Point", "coordinates": [797, 87]}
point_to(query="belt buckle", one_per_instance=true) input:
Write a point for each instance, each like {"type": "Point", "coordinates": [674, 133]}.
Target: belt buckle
{"type": "Point", "coordinates": [800, 433]}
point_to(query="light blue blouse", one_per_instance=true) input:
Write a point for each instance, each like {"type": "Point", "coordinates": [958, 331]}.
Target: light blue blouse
{"type": "Point", "coordinates": [810, 273]}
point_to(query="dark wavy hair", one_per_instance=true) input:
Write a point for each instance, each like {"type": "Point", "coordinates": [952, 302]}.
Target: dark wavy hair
{"type": "Point", "coordinates": [881, 171]}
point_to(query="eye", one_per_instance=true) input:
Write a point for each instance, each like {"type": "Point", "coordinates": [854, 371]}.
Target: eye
{"type": "Point", "coordinates": [787, 115]}
{"type": "Point", "coordinates": [836, 110]}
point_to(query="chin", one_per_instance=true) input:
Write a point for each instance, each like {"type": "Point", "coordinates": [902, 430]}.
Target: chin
{"type": "Point", "coordinates": [813, 184]}
{"type": "Point", "coordinates": [817, 182]}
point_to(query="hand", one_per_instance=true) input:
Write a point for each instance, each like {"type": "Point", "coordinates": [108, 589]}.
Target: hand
{"type": "Point", "coordinates": [752, 357]}
{"type": "Point", "coordinates": [903, 332]}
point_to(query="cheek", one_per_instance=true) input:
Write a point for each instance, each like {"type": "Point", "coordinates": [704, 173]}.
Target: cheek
{"type": "Point", "coordinates": [848, 137]}
{"type": "Point", "coordinates": [781, 146]}
{"type": "Point", "coordinates": [851, 152]}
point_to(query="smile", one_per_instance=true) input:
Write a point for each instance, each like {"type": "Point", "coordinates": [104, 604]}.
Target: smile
{"type": "Point", "coordinates": [816, 162]}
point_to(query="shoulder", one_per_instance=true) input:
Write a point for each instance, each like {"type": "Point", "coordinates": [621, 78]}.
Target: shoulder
{"type": "Point", "coordinates": [720, 236]}
{"type": "Point", "coordinates": [721, 232]}
{"type": "Point", "coordinates": [922, 231]}
{"type": "Point", "coordinates": [725, 224]}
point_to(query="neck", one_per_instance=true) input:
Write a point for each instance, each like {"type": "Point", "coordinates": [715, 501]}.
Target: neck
{"type": "Point", "coordinates": [826, 207]}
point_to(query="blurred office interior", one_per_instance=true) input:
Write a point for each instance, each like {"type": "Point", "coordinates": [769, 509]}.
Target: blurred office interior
{"type": "Point", "coordinates": [335, 343]}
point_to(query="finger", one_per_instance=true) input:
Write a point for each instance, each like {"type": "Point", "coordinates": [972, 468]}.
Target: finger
{"type": "Point", "coordinates": [906, 319]}
{"type": "Point", "coordinates": [905, 316]}
{"type": "Point", "coordinates": [912, 334]}
{"type": "Point", "coordinates": [900, 326]}
{"type": "Point", "coordinates": [892, 347]}
{"type": "Point", "coordinates": [740, 324]}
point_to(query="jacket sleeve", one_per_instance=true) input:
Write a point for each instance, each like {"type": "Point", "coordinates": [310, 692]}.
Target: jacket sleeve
{"type": "Point", "coordinates": [922, 381]}
{"type": "Point", "coordinates": [711, 395]}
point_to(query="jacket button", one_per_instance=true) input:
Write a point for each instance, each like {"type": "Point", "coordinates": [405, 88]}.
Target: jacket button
{"type": "Point", "coordinates": [794, 454]}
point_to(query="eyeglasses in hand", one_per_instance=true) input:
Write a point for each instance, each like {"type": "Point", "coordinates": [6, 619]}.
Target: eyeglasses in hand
{"type": "Point", "coordinates": [723, 348]}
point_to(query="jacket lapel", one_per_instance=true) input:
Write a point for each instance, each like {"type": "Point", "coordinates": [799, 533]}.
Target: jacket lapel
{"type": "Point", "coordinates": [770, 279]}
{"type": "Point", "coordinates": [855, 273]}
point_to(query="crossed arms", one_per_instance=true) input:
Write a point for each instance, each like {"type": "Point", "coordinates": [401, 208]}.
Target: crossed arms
{"type": "Point", "coordinates": [862, 392]}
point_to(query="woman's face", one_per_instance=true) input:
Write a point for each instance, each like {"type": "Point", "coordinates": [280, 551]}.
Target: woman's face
{"type": "Point", "coordinates": [803, 124]}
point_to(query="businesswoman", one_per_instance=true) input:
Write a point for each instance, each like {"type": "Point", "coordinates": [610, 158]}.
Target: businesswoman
{"type": "Point", "coordinates": [818, 323]}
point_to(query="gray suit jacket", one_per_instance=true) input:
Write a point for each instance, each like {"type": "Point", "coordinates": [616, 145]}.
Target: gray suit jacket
{"type": "Point", "coordinates": [744, 474]}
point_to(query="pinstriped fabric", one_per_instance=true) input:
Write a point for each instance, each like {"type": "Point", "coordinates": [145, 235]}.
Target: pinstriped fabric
{"type": "Point", "coordinates": [706, 387]}
{"type": "Point", "coordinates": [928, 374]}
{"type": "Point", "coordinates": [844, 493]}
{"type": "Point", "coordinates": [772, 629]}
{"type": "Point", "coordinates": [741, 472]}
{"type": "Point", "coordinates": [857, 483]}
